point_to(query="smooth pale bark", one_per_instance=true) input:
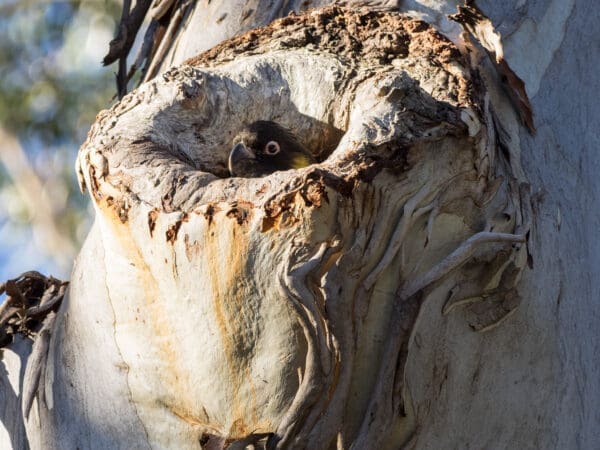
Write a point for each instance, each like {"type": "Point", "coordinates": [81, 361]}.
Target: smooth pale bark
{"type": "Point", "coordinates": [143, 309]}
{"type": "Point", "coordinates": [535, 381]}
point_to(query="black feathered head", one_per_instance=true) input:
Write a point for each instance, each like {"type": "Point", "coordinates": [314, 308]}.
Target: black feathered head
{"type": "Point", "coordinates": [265, 147]}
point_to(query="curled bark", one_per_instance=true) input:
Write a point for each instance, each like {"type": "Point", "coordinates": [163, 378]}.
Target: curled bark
{"type": "Point", "coordinates": [30, 298]}
{"type": "Point", "coordinates": [282, 309]}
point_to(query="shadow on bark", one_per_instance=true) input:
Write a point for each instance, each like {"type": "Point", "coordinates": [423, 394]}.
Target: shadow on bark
{"type": "Point", "coordinates": [280, 311]}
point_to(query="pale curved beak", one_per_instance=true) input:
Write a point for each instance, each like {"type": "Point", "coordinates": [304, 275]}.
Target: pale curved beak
{"type": "Point", "coordinates": [238, 153]}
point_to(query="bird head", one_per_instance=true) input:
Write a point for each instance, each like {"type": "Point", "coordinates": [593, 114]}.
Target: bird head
{"type": "Point", "coordinates": [265, 147]}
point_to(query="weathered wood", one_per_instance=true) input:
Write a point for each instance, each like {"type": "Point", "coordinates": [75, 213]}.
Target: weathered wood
{"type": "Point", "coordinates": [215, 303]}
{"type": "Point", "coordinates": [247, 306]}
{"type": "Point", "coordinates": [220, 20]}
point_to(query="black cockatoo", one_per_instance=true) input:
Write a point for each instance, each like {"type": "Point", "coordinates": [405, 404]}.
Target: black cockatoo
{"type": "Point", "coordinates": [265, 147]}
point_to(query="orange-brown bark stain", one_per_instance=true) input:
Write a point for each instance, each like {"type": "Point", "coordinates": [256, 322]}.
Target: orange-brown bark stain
{"type": "Point", "coordinates": [155, 313]}
{"type": "Point", "coordinates": [226, 260]}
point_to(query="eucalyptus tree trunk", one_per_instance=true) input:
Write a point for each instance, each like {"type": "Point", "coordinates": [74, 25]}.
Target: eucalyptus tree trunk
{"type": "Point", "coordinates": [428, 284]}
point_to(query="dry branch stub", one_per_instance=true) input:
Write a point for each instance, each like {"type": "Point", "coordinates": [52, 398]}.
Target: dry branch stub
{"type": "Point", "coordinates": [280, 309]}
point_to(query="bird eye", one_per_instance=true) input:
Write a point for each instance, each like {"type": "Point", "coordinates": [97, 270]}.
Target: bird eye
{"type": "Point", "coordinates": [272, 148]}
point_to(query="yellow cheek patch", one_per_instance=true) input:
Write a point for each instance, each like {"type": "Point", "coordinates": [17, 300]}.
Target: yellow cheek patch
{"type": "Point", "coordinates": [299, 161]}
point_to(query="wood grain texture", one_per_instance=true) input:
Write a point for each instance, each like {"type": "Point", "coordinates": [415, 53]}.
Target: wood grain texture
{"type": "Point", "coordinates": [409, 172]}
{"type": "Point", "coordinates": [412, 166]}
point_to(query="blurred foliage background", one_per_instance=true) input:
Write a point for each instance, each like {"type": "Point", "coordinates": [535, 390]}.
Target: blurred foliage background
{"type": "Point", "coordinates": [52, 85]}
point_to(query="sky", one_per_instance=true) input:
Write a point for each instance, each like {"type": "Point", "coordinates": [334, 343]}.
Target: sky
{"type": "Point", "coordinates": [52, 85]}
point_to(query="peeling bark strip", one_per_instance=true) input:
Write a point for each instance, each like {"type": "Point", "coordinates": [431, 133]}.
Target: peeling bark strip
{"type": "Point", "coordinates": [281, 311]}
{"type": "Point", "coordinates": [483, 31]}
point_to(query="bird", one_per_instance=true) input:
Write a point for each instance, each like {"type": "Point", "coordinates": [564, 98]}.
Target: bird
{"type": "Point", "coordinates": [264, 147]}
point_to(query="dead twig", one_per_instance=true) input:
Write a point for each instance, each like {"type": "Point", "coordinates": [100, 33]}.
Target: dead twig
{"type": "Point", "coordinates": [30, 298]}
{"type": "Point", "coordinates": [120, 46]}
